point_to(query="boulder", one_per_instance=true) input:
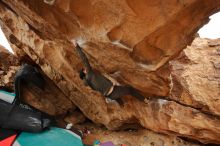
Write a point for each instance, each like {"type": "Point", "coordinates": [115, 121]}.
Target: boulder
{"type": "Point", "coordinates": [195, 76]}
{"type": "Point", "coordinates": [131, 41]}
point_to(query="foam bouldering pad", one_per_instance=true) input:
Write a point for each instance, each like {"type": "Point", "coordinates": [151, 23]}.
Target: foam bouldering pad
{"type": "Point", "coordinates": [7, 137]}
{"type": "Point", "coordinates": [52, 137]}
{"type": "Point", "coordinates": [7, 97]}
{"type": "Point", "coordinates": [8, 141]}
{"type": "Point", "coordinates": [109, 143]}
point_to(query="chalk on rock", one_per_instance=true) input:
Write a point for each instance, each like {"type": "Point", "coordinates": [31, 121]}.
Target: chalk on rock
{"type": "Point", "coordinates": [49, 2]}
{"type": "Point", "coordinates": [69, 126]}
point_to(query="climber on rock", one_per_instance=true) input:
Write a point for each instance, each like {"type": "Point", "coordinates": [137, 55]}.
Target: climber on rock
{"type": "Point", "coordinates": [104, 85]}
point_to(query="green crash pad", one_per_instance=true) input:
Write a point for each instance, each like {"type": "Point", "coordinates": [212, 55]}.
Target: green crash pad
{"type": "Point", "coordinates": [52, 137]}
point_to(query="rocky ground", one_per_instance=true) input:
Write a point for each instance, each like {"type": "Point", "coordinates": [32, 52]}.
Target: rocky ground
{"type": "Point", "coordinates": [133, 136]}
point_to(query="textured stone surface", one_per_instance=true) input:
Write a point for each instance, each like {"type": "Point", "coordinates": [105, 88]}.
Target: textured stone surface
{"type": "Point", "coordinates": [50, 100]}
{"type": "Point", "coordinates": [140, 26]}
{"type": "Point", "coordinates": [75, 117]}
{"type": "Point", "coordinates": [115, 45]}
{"type": "Point", "coordinates": [196, 76]}
{"type": "Point", "coordinates": [8, 67]}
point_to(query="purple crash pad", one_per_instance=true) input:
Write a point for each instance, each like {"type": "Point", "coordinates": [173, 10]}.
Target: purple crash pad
{"type": "Point", "coordinates": [109, 143]}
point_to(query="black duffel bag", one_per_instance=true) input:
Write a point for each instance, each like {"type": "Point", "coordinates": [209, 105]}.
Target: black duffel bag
{"type": "Point", "coordinates": [20, 116]}
{"type": "Point", "coordinates": [16, 115]}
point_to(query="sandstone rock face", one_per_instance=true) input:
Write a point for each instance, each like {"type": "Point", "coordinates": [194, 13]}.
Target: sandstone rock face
{"type": "Point", "coordinates": [196, 76]}
{"type": "Point", "coordinates": [75, 117]}
{"type": "Point", "coordinates": [132, 41]}
{"type": "Point", "coordinates": [8, 67]}
{"type": "Point", "coordinates": [50, 100]}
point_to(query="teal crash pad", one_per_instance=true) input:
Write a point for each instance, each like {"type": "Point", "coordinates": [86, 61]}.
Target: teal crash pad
{"type": "Point", "coordinates": [52, 137]}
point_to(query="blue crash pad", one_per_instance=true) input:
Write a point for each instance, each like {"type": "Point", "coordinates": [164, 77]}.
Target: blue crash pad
{"type": "Point", "coordinates": [52, 137]}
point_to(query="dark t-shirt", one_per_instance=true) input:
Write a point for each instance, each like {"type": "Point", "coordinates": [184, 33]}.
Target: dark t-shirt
{"type": "Point", "coordinates": [98, 82]}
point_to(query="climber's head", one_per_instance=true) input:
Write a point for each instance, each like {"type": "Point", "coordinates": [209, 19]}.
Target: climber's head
{"type": "Point", "coordinates": [82, 73]}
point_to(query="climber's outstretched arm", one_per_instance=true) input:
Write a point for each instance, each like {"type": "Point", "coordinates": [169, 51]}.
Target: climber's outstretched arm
{"type": "Point", "coordinates": [83, 58]}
